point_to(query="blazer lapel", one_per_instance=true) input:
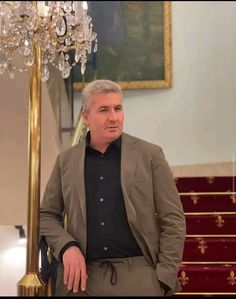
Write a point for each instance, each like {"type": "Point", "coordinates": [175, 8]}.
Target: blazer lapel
{"type": "Point", "coordinates": [129, 155]}
{"type": "Point", "coordinates": [78, 188]}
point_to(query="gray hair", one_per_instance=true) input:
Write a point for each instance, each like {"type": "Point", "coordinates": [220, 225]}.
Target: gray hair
{"type": "Point", "coordinates": [98, 87]}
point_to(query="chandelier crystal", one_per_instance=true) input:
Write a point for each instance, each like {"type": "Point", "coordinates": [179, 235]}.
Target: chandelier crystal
{"type": "Point", "coordinates": [56, 27]}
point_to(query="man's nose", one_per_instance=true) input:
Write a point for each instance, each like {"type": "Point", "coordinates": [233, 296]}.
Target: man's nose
{"type": "Point", "coordinates": [112, 115]}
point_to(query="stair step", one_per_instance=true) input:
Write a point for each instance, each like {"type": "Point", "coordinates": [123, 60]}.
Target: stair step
{"type": "Point", "coordinates": [208, 203]}
{"type": "Point", "coordinates": [208, 278]}
{"type": "Point", "coordinates": [217, 224]}
{"type": "Point", "coordinates": [209, 259]}
{"type": "Point", "coordinates": [206, 184]}
{"type": "Point", "coordinates": [209, 249]}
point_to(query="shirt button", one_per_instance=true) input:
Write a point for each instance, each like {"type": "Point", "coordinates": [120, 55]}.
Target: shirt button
{"type": "Point", "coordinates": [102, 156]}
{"type": "Point", "coordinates": [101, 177]}
{"type": "Point", "coordinates": [105, 248]}
{"type": "Point", "coordinates": [102, 223]}
{"type": "Point", "coordinates": [101, 199]}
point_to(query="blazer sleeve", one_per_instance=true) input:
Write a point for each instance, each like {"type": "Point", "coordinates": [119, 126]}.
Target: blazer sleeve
{"type": "Point", "coordinates": [171, 219]}
{"type": "Point", "coordinates": [51, 211]}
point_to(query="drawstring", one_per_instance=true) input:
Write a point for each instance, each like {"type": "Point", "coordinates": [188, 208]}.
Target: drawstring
{"type": "Point", "coordinates": [109, 265]}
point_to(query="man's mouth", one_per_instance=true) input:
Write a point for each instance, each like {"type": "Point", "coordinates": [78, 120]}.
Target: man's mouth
{"type": "Point", "coordinates": [112, 128]}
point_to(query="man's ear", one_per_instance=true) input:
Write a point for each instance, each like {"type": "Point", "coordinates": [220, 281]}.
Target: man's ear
{"type": "Point", "coordinates": [85, 117]}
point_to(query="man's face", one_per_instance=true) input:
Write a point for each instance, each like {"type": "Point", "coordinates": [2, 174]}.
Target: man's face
{"type": "Point", "coordinates": [105, 117]}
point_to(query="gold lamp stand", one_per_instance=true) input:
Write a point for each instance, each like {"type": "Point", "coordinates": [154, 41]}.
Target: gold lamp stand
{"type": "Point", "coordinates": [31, 284]}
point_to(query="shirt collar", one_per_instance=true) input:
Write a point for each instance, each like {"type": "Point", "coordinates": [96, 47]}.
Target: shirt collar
{"type": "Point", "coordinates": [116, 142]}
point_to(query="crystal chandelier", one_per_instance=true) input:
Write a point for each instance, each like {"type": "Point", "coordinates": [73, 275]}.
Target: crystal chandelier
{"type": "Point", "coordinates": [56, 27]}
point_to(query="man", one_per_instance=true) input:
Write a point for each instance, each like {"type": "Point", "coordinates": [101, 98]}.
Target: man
{"type": "Point", "coordinates": [126, 226]}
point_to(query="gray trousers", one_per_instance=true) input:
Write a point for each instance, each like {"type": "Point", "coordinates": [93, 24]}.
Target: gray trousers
{"type": "Point", "coordinates": [131, 276]}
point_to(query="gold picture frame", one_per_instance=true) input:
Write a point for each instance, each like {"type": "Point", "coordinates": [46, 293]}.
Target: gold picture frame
{"type": "Point", "coordinates": [162, 26]}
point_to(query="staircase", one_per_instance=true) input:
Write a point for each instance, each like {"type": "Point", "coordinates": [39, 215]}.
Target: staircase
{"type": "Point", "coordinates": [209, 260]}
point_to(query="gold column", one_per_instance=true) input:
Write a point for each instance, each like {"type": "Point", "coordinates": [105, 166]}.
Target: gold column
{"type": "Point", "coordinates": [31, 284]}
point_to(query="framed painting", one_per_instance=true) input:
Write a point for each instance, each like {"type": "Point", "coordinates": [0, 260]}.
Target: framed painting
{"type": "Point", "coordinates": [134, 44]}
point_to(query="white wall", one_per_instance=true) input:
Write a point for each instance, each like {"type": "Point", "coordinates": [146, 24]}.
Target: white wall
{"type": "Point", "coordinates": [14, 149]}
{"type": "Point", "coordinates": [12, 260]}
{"type": "Point", "coordinates": [194, 121]}
{"type": "Point", "coordinates": [13, 175]}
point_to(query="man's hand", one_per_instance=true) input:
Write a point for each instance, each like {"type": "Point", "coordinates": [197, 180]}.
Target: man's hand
{"type": "Point", "coordinates": [74, 269]}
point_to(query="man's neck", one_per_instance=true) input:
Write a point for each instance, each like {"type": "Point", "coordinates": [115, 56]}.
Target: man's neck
{"type": "Point", "coordinates": [99, 146]}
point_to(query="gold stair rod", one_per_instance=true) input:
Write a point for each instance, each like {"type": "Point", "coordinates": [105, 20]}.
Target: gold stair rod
{"type": "Point", "coordinates": [31, 284]}
{"type": "Point", "coordinates": [206, 193]}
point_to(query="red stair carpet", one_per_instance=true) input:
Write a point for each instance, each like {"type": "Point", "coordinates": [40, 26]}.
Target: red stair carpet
{"type": "Point", "coordinates": [209, 260]}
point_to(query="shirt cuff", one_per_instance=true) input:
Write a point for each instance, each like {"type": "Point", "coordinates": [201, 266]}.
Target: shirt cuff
{"type": "Point", "coordinates": [65, 247]}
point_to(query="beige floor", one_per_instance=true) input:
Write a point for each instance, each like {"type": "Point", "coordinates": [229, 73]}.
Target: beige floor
{"type": "Point", "coordinates": [214, 169]}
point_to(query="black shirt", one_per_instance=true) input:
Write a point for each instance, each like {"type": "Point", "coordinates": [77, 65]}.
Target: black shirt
{"type": "Point", "coordinates": [108, 231]}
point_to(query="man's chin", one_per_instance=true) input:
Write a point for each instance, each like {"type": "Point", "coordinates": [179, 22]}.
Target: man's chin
{"type": "Point", "coordinates": [114, 135]}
